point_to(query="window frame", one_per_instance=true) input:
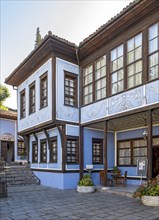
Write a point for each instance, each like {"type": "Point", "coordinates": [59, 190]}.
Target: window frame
{"type": "Point", "coordinates": [32, 104]}
{"type": "Point", "coordinates": [100, 155]}
{"type": "Point", "coordinates": [44, 141]}
{"type": "Point", "coordinates": [74, 77]}
{"type": "Point", "coordinates": [43, 97]}
{"type": "Point", "coordinates": [22, 104]}
{"type": "Point", "coordinates": [131, 151]}
{"type": "Point", "coordinates": [76, 151]}
{"type": "Point", "coordinates": [150, 54]}
{"type": "Point", "coordinates": [33, 151]}
{"type": "Point", "coordinates": [21, 148]}
{"type": "Point", "coordinates": [52, 153]}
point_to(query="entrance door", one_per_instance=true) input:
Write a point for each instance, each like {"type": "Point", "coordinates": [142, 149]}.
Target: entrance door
{"type": "Point", "coordinates": [7, 151]}
{"type": "Point", "coordinates": [155, 161]}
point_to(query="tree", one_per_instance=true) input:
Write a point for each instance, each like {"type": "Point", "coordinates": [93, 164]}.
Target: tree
{"type": "Point", "coordinates": [4, 94]}
{"type": "Point", "coordinates": [38, 38]}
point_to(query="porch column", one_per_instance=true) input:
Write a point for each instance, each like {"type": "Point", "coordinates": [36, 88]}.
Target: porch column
{"type": "Point", "coordinates": [105, 152]}
{"type": "Point", "coordinates": [26, 141]}
{"type": "Point", "coordinates": [81, 151]}
{"type": "Point", "coordinates": [149, 145]}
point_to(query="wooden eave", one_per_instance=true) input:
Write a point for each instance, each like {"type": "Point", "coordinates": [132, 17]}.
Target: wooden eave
{"type": "Point", "coordinates": [52, 45]}
{"type": "Point", "coordinates": [8, 115]}
{"type": "Point", "coordinates": [117, 26]}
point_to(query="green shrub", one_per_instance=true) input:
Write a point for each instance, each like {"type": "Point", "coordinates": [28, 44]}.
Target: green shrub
{"type": "Point", "coordinates": [86, 181]}
{"type": "Point", "coordinates": [151, 189]}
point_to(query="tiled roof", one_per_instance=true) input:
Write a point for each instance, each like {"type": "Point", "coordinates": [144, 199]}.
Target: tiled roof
{"type": "Point", "coordinates": [8, 114]}
{"type": "Point", "coordinates": [127, 8]}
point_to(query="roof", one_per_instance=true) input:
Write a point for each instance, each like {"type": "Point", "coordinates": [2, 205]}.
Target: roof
{"type": "Point", "coordinates": [10, 114]}
{"type": "Point", "coordinates": [102, 27]}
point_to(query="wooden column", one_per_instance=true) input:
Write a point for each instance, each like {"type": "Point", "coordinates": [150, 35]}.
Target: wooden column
{"type": "Point", "coordinates": [105, 152]}
{"type": "Point", "coordinates": [26, 141]}
{"type": "Point", "coordinates": [149, 145]}
{"type": "Point", "coordinates": [81, 151]}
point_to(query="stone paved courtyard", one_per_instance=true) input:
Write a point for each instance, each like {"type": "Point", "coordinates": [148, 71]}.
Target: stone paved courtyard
{"type": "Point", "coordinates": [45, 203]}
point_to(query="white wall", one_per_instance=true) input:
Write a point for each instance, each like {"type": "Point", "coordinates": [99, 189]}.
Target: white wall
{"type": "Point", "coordinates": [65, 113]}
{"type": "Point", "coordinates": [41, 115]}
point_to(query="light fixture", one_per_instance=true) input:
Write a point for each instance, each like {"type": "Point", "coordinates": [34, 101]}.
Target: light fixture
{"type": "Point", "coordinates": [144, 134]}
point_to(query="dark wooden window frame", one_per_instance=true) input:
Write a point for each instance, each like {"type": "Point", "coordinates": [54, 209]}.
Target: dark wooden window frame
{"type": "Point", "coordinates": [53, 153]}
{"type": "Point", "coordinates": [43, 97]}
{"type": "Point", "coordinates": [131, 151]}
{"type": "Point", "coordinates": [32, 98]}
{"type": "Point", "coordinates": [154, 52]}
{"type": "Point", "coordinates": [44, 141]}
{"type": "Point", "coordinates": [35, 143]}
{"type": "Point", "coordinates": [74, 77]}
{"type": "Point", "coordinates": [145, 65]}
{"type": "Point", "coordinates": [73, 154]}
{"type": "Point", "coordinates": [95, 154]}
{"type": "Point", "coordinates": [22, 104]}
{"type": "Point", "coordinates": [21, 149]}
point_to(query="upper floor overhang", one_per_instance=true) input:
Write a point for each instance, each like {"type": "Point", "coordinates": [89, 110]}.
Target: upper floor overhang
{"type": "Point", "coordinates": [51, 46]}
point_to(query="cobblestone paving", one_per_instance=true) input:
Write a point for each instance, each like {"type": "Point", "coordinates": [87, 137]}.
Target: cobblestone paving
{"type": "Point", "coordinates": [45, 203]}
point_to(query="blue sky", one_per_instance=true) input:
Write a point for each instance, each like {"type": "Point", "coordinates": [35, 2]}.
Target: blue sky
{"type": "Point", "coordinates": [72, 20]}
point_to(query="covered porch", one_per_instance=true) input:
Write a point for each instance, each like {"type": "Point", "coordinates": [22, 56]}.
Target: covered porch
{"type": "Point", "coordinates": [138, 124]}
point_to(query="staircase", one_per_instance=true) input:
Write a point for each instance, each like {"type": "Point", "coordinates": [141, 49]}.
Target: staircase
{"type": "Point", "coordinates": [19, 175]}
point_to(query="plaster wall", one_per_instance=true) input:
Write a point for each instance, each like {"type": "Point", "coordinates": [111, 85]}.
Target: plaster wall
{"type": "Point", "coordinates": [40, 115]}
{"type": "Point", "coordinates": [63, 112]}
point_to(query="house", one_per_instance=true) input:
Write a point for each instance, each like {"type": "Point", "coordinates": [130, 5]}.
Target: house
{"type": "Point", "coordinates": [12, 146]}
{"type": "Point", "coordinates": [92, 103]}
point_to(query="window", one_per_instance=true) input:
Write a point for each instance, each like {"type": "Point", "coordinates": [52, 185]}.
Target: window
{"type": "Point", "coordinates": [53, 150]}
{"type": "Point", "coordinates": [43, 152]}
{"type": "Point", "coordinates": [97, 145]}
{"type": "Point", "coordinates": [100, 78]}
{"type": "Point", "coordinates": [32, 98]}
{"type": "Point", "coordinates": [22, 104]}
{"type": "Point", "coordinates": [134, 61]}
{"type": "Point", "coordinates": [72, 150]}
{"type": "Point", "coordinates": [70, 89]}
{"type": "Point", "coordinates": [153, 51]}
{"type": "Point", "coordinates": [88, 85]}
{"type": "Point", "coordinates": [117, 70]}
{"type": "Point", "coordinates": [130, 151]}
{"type": "Point", "coordinates": [22, 149]}
{"type": "Point", "coordinates": [43, 90]}
{"type": "Point", "coordinates": [34, 152]}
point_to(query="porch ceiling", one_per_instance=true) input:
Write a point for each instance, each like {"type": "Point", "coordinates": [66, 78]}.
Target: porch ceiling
{"type": "Point", "coordinates": [128, 122]}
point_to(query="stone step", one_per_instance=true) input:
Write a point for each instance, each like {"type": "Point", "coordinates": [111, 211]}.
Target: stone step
{"type": "Point", "coordinates": [19, 175]}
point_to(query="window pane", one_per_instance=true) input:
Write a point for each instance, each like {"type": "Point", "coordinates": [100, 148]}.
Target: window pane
{"type": "Point", "coordinates": [153, 31]}
{"type": "Point", "coordinates": [153, 45]}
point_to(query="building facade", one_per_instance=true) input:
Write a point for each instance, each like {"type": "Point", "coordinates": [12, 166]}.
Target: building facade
{"type": "Point", "coordinates": [92, 103]}
{"type": "Point", "coordinates": [12, 147]}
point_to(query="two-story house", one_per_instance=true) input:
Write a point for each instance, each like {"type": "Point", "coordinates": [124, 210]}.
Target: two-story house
{"type": "Point", "coordinates": [96, 103]}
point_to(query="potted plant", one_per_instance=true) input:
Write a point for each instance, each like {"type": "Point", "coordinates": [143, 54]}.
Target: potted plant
{"type": "Point", "coordinates": [86, 185]}
{"type": "Point", "coordinates": [149, 193]}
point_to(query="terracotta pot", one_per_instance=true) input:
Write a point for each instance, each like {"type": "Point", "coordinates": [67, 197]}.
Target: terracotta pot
{"type": "Point", "coordinates": [85, 189]}
{"type": "Point", "coordinates": [150, 200]}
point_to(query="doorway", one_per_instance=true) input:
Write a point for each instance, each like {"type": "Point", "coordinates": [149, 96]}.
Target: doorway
{"type": "Point", "coordinates": [155, 161]}
{"type": "Point", "coordinates": [7, 151]}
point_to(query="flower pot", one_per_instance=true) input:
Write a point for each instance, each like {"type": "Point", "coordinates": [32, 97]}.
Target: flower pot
{"type": "Point", "coordinates": [85, 189]}
{"type": "Point", "coordinates": [150, 200]}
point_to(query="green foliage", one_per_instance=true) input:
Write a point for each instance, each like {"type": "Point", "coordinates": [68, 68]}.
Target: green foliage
{"type": "Point", "coordinates": [38, 38]}
{"type": "Point", "coordinates": [4, 94]}
{"type": "Point", "coordinates": [86, 181]}
{"type": "Point", "coordinates": [151, 189]}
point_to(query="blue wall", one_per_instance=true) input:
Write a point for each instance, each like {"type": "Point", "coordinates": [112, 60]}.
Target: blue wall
{"type": "Point", "coordinates": [88, 135]}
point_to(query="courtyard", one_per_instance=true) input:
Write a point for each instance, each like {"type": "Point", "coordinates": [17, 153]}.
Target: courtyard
{"type": "Point", "coordinates": [40, 203]}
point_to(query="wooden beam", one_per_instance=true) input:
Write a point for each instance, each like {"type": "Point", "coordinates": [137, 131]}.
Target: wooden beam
{"type": "Point", "coordinates": [62, 131]}
{"type": "Point", "coordinates": [105, 152]}
{"type": "Point", "coordinates": [47, 137]}
{"type": "Point", "coordinates": [26, 141]}
{"type": "Point", "coordinates": [35, 136]}
{"type": "Point", "coordinates": [81, 151]}
{"type": "Point", "coordinates": [149, 145]}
